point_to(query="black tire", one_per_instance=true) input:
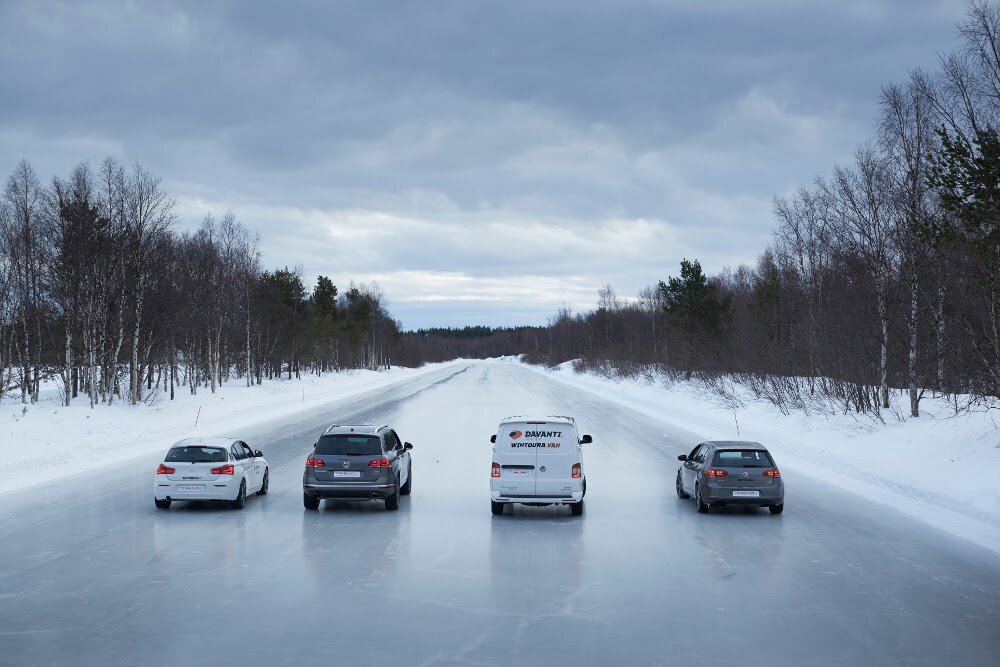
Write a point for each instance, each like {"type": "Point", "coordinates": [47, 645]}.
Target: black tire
{"type": "Point", "coordinates": [681, 493]}
{"type": "Point", "coordinates": [584, 488]}
{"type": "Point", "coordinates": [392, 502]}
{"type": "Point", "coordinates": [702, 507]}
{"type": "Point", "coordinates": [162, 504]}
{"type": "Point", "coordinates": [576, 509]}
{"type": "Point", "coordinates": [241, 499]}
{"type": "Point", "coordinates": [409, 482]}
{"type": "Point", "coordinates": [496, 508]}
{"type": "Point", "coordinates": [776, 509]}
{"type": "Point", "coordinates": [263, 486]}
{"type": "Point", "coordinates": [310, 502]}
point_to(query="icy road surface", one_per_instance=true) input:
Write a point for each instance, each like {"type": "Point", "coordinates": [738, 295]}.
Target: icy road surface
{"type": "Point", "coordinates": [92, 573]}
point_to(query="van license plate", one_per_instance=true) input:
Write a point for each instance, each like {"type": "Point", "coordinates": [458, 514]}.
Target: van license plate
{"type": "Point", "coordinates": [511, 472]}
{"type": "Point", "coordinates": [190, 487]}
{"type": "Point", "coordinates": [746, 494]}
{"type": "Point", "coordinates": [347, 473]}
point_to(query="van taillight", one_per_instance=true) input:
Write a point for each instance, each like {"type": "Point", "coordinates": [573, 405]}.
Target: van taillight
{"type": "Point", "coordinates": [164, 470]}
{"type": "Point", "coordinates": [772, 473]}
{"type": "Point", "coordinates": [715, 472]}
{"type": "Point", "coordinates": [577, 471]}
{"type": "Point", "coordinates": [223, 470]}
{"type": "Point", "coordinates": [496, 470]}
{"type": "Point", "coordinates": [380, 463]}
{"type": "Point", "coordinates": [313, 462]}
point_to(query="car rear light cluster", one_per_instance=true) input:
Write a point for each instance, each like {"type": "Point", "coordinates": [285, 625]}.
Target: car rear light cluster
{"type": "Point", "coordinates": [496, 470]}
{"type": "Point", "coordinates": [380, 463]}
{"type": "Point", "coordinates": [224, 470]}
{"type": "Point", "coordinates": [772, 473]}
{"type": "Point", "coordinates": [715, 472]}
{"type": "Point", "coordinates": [165, 470]}
{"type": "Point", "coordinates": [313, 462]}
{"type": "Point", "coordinates": [577, 471]}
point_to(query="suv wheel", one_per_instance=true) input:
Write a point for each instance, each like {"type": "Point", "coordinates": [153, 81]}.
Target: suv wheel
{"type": "Point", "coordinates": [310, 501]}
{"type": "Point", "coordinates": [408, 487]}
{"type": "Point", "coordinates": [392, 502]}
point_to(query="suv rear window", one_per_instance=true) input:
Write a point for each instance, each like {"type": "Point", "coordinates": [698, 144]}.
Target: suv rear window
{"type": "Point", "coordinates": [742, 458]}
{"type": "Point", "coordinates": [349, 445]}
{"type": "Point", "coordinates": [196, 455]}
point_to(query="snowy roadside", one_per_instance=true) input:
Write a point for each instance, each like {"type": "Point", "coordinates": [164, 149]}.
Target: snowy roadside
{"type": "Point", "coordinates": [939, 468]}
{"type": "Point", "coordinates": [46, 441]}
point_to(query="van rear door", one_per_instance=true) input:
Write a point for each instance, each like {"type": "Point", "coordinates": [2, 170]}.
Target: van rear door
{"type": "Point", "coordinates": [517, 461]}
{"type": "Point", "coordinates": [555, 459]}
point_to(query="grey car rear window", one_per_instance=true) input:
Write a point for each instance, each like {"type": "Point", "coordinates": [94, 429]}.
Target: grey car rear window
{"type": "Point", "coordinates": [742, 458]}
{"type": "Point", "coordinates": [349, 445]}
{"type": "Point", "coordinates": [196, 455]}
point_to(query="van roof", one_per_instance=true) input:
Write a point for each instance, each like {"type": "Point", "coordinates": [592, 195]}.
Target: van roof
{"type": "Point", "coordinates": [549, 419]}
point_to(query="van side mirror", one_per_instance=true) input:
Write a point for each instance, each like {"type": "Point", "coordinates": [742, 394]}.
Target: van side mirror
{"type": "Point", "coordinates": [493, 438]}
{"type": "Point", "coordinates": [586, 439]}
{"type": "Point", "coordinates": [407, 445]}
{"type": "Point", "coordinates": [682, 457]}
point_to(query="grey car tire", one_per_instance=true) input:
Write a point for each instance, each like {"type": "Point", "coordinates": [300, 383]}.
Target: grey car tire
{"type": "Point", "coordinates": [241, 499]}
{"type": "Point", "coordinates": [162, 504]}
{"type": "Point", "coordinates": [263, 486]}
{"type": "Point", "coordinates": [702, 507]}
{"type": "Point", "coordinates": [409, 481]}
{"type": "Point", "coordinates": [681, 493]}
{"type": "Point", "coordinates": [576, 509]}
{"type": "Point", "coordinates": [776, 509]}
{"type": "Point", "coordinates": [496, 508]}
{"type": "Point", "coordinates": [392, 502]}
{"type": "Point", "coordinates": [310, 502]}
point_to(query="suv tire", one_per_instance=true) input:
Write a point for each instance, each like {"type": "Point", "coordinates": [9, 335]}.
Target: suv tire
{"type": "Point", "coordinates": [310, 501]}
{"type": "Point", "coordinates": [408, 487]}
{"type": "Point", "coordinates": [392, 502]}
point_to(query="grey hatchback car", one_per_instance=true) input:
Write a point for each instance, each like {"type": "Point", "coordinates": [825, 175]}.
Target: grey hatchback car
{"type": "Point", "coordinates": [731, 472]}
{"type": "Point", "coordinates": [358, 462]}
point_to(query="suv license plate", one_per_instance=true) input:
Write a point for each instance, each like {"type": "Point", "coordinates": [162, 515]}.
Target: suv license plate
{"type": "Point", "coordinates": [347, 473]}
{"type": "Point", "coordinates": [190, 487]}
{"type": "Point", "coordinates": [746, 494]}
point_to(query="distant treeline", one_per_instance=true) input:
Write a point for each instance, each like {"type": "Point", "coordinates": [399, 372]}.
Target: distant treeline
{"type": "Point", "coordinates": [471, 342]}
{"type": "Point", "coordinates": [98, 288]}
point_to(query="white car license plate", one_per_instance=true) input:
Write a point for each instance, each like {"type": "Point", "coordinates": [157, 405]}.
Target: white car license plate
{"type": "Point", "coordinates": [513, 472]}
{"type": "Point", "coordinates": [347, 473]}
{"type": "Point", "coordinates": [191, 487]}
{"type": "Point", "coordinates": [746, 494]}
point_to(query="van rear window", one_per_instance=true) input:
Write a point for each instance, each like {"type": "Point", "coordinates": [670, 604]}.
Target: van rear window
{"type": "Point", "coordinates": [742, 458]}
{"type": "Point", "coordinates": [343, 444]}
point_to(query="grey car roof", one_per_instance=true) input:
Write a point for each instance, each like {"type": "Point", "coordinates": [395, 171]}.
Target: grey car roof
{"type": "Point", "coordinates": [366, 429]}
{"type": "Point", "coordinates": [735, 444]}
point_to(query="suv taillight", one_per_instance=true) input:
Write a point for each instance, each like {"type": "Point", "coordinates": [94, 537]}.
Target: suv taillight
{"type": "Point", "coordinates": [380, 463]}
{"type": "Point", "coordinates": [772, 473]}
{"type": "Point", "coordinates": [495, 472]}
{"type": "Point", "coordinates": [165, 470]}
{"type": "Point", "coordinates": [577, 472]}
{"type": "Point", "coordinates": [223, 470]}
{"type": "Point", "coordinates": [313, 462]}
{"type": "Point", "coordinates": [715, 472]}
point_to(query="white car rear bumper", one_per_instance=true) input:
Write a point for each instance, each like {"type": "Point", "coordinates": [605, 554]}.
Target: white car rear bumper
{"type": "Point", "coordinates": [216, 490]}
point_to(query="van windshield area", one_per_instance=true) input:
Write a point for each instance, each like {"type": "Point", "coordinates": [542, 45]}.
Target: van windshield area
{"type": "Point", "coordinates": [196, 455]}
{"type": "Point", "coordinates": [742, 458]}
{"type": "Point", "coordinates": [343, 444]}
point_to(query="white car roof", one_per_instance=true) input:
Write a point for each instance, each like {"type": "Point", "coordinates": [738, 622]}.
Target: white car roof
{"type": "Point", "coordinates": [206, 442]}
{"type": "Point", "coordinates": [548, 419]}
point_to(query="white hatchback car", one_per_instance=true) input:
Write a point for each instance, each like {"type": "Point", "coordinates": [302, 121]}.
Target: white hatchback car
{"type": "Point", "coordinates": [538, 461]}
{"type": "Point", "coordinates": [210, 469]}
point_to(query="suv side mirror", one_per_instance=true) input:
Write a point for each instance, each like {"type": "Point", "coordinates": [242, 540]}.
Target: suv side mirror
{"type": "Point", "coordinates": [259, 453]}
{"type": "Point", "coordinates": [586, 439]}
{"type": "Point", "coordinates": [407, 445]}
{"type": "Point", "coordinates": [493, 438]}
{"type": "Point", "coordinates": [682, 457]}
{"type": "Point", "coordinates": [315, 445]}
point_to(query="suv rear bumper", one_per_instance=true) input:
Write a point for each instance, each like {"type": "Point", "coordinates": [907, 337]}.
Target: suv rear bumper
{"type": "Point", "coordinates": [348, 491]}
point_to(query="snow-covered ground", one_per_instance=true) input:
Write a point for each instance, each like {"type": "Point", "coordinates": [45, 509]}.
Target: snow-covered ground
{"type": "Point", "coordinates": [942, 468]}
{"type": "Point", "coordinates": [46, 441]}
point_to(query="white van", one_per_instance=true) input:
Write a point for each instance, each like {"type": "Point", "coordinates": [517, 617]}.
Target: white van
{"type": "Point", "coordinates": [538, 461]}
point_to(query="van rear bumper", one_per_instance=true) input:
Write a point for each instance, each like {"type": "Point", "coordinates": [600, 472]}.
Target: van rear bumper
{"type": "Point", "coordinates": [562, 499]}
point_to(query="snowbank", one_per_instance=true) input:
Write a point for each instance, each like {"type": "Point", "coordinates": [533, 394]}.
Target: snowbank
{"type": "Point", "coordinates": [941, 468]}
{"type": "Point", "coordinates": [45, 441]}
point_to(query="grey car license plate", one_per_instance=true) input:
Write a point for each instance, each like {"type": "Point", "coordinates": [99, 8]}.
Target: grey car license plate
{"type": "Point", "coordinates": [190, 487]}
{"type": "Point", "coordinates": [746, 494]}
{"type": "Point", "coordinates": [347, 473]}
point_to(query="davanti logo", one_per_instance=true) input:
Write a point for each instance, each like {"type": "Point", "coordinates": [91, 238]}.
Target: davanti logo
{"type": "Point", "coordinates": [514, 435]}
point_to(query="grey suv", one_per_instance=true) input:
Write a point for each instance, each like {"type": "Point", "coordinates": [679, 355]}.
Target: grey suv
{"type": "Point", "coordinates": [731, 472]}
{"type": "Point", "coordinates": [359, 462]}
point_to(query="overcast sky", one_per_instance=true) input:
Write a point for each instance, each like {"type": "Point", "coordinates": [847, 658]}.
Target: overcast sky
{"type": "Point", "coordinates": [483, 162]}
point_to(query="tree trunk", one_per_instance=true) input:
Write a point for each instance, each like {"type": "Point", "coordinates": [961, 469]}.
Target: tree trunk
{"type": "Point", "coordinates": [883, 315]}
{"type": "Point", "coordinates": [914, 303]}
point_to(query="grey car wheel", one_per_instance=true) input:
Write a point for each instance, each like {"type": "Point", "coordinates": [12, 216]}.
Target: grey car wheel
{"type": "Point", "coordinates": [263, 486]}
{"type": "Point", "coordinates": [681, 493]}
{"type": "Point", "coordinates": [776, 509]}
{"type": "Point", "coordinates": [702, 507]}
{"type": "Point", "coordinates": [241, 499]}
